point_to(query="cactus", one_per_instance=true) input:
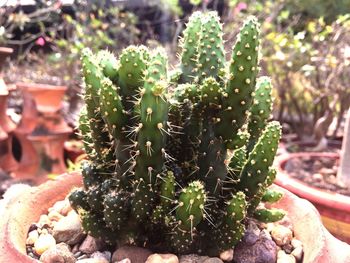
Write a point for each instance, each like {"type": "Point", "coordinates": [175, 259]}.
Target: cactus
{"type": "Point", "coordinates": [180, 159]}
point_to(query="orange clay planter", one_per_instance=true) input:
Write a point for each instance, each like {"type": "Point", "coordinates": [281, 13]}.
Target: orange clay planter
{"type": "Point", "coordinates": [333, 207]}
{"type": "Point", "coordinates": [319, 245]}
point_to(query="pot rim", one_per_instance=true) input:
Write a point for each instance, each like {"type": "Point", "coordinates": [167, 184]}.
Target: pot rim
{"type": "Point", "coordinates": [311, 193]}
{"type": "Point", "coordinates": [39, 87]}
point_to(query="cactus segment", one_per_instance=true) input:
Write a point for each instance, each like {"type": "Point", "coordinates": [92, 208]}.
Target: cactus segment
{"type": "Point", "coordinates": [153, 120]}
{"type": "Point", "coordinates": [269, 215]}
{"type": "Point", "coordinates": [167, 190]}
{"type": "Point", "coordinates": [211, 93]}
{"type": "Point", "coordinates": [237, 161]}
{"type": "Point", "coordinates": [271, 176]}
{"type": "Point", "coordinates": [260, 110]}
{"type": "Point", "coordinates": [226, 237]}
{"type": "Point", "coordinates": [182, 241]}
{"type": "Point", "coordinates": [142, 202]}
{"type": "Point", "coordinates": [77, 200]}
{"type": "Point", "coordinates": [236, 209]}
{"type": "Point", "coordinates": [237, 97]}
{"type": "Point", "coordinates": [211, 55]}
{"type": "Point", "coordinates": [108, 64]}
{"type": "Point", "coordinates": [239, 140]}
{"type": "Point", "coordinates": [112, 109]}
{"type": "Point", "coordinates": [94, 225]}
{"type": "Point", "coordinates": [133, 63]}
{"type": "Point", "coordinates": [189, 44]}
{"type": "Point", "coordinates": [84, 128]}
{"type": "Point", "coordinates": [90, 174]}
{"type": "Point", "coordinates": [271, 196]}
{"type": "Point", "coordinates": [116, 208]}
{"type": "Point", "coordinates": [190, 207]}
{"type": "Point", "coordinates": [255, 170]}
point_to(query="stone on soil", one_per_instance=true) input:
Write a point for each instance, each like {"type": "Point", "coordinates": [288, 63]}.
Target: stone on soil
{"type": "Point", "coordinates": [264, 250]}
{"type": "Point", "coordinates": [68, 229]}
{"type": "Point", "coordinates": [162, 258]}
{"type": "Point", "coordinates": [282, 235]}
{"type": "Point", "coordinates": [43, 243]}
{"type": "Point", "coordinates": [91, 245]}
{"type": "Point", "coordinates": [58, 254]}
{"type": "Point", "coordinates": [135, 254]}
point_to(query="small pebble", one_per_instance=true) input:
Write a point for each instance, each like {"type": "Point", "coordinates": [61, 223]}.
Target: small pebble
{"type": "Point", "coordinates": [63, 207]}
{"type": "Point", "coordinates": [106, 255]}
{"type": "Point", "coordinates": [75, 249]}
{"type": "Point", "coordinates": [213, 260]}
{"type": "Point", "coordinates": [125, 260]}
{"type": "Point", "coordinates": [90, 245]}
{"type": "Point", "coordinates": [296, 243]}
{"type": "Point", "coordinates": [69, 229]}
{"type": "Point", "coordinates": [44, 220]}
{"type": "Point", "coordinates": [192, 258]}
{"type": "Point", "coordinates": [281, 235]}
{"type": "Point", "coordinates": [58, 253]}
{"type": "Point", "coordinates": [135, 254]}
{"type": "Point", "coordinates": [54, 216]}
{"type": "Point", "coordinates": [286, 221]}
{"type": "Point", "coordinates": [43, 243]}
{"type": "Point", "coordinates": [162, 258]}
{"type": "Point", "coordinates": [298, 253]}
{"type": "Point", "coordinates": [286, 259]}
{"type": "Point", "coordinates": [82, 256]}
{"type": "Point", "coordinates": [227, 255]}
{"type": "Point", "coordinates": [32, 237]}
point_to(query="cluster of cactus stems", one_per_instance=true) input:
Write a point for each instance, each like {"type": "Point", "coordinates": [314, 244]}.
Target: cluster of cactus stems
{"type": "Point", "coordinates": [178, 160]}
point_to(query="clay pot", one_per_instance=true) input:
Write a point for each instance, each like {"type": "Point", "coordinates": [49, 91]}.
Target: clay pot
{"type": "Point", "coordinates": [7, 126]}
{"type": "Point", "coordinates": [319, 245]}
{"type": "Point", "coordinates": [333, 207]}
{"type": "Point", "coordinates": [42, 131]}
{"type": "Point", "coordinates": [48, 98]}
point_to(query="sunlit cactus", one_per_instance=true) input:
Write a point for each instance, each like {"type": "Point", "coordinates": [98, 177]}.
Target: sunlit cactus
{"type": "Point", "coordinates": [186, 154]}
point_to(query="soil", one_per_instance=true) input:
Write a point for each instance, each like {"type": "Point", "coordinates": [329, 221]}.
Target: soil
{"type": "Point", "coordinates": [318, 172]}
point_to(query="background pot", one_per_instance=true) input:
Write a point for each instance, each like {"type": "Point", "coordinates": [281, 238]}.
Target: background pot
{"type": "Point", "coordinates": [333, 207]}
{"type": "Point", "coordinates": [319, 245]}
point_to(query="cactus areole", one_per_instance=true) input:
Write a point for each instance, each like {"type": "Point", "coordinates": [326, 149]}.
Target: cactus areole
{"type": "Point", "coordinates": [178, 159]}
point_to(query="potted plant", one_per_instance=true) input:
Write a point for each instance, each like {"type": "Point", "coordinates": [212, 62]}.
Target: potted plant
{"type": "Point", "coordinates": [333, 205]}
{"type": "Point", "coordinates": [159, 171]}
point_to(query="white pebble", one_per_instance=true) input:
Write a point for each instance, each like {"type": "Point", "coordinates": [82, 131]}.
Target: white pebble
{"type": "Point", "coordinates": [281, 235]}
{"type": "Point", "coordinates": [43, 243]}
{"type": "Point", "coordinates": [296, 243]}
{"type": "Point", "coordinates": [227, 255]}
{"type": "Point", "coordinates": [32, 237]}
{"type": "Point", "coordinates": [298, 253]}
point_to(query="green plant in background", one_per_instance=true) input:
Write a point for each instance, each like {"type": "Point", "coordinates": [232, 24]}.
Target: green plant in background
{"type": "Point", "coordinates": [170, 158]}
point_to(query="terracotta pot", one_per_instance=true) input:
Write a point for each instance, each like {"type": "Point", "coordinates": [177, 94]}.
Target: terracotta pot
{"type": "Point", "coordinates": [7, 126]}
{"type": "Point", "coordinates": [319, 245]}
{"type": "Point", "coordinates": [48, 98]}
{"type": "Point", "coordinates": [42, 131]}
{"type": "Point", "coordinates": [333, 207]}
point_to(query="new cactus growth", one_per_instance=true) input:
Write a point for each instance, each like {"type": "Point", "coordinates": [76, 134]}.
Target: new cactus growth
{"type": "Point", "coordinates": [187, 154]}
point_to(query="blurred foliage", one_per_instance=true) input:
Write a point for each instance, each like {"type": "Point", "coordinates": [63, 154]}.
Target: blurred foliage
{"type": "Point", "coordinates": [308, 59]}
